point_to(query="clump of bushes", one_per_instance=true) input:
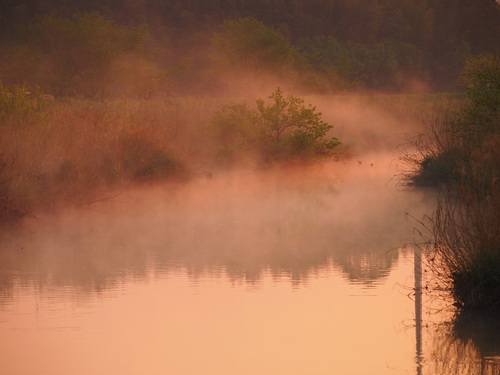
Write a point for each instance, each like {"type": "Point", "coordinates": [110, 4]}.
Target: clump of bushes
{"type": "Point", "coordinates": [464, 161]}
{"type": "Point", "coordinates": [142, 157]}
{"type": "Point", "coordinates": [445, 154]}
{"type": "Point", "coordinates": [283, 130]}
{"type": "Point", "coordinates": [466, 243]}
{"type": "Point", "coordinates": [17, 102]}
{"type": "Point", "coordinates": [434, 157]}
{"type": "Point", "coordinates": [439, 169]}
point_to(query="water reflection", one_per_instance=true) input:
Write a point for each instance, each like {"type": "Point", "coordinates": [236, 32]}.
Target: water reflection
{"type": "Point", "coordinates": [480, 327]}
{"type": "Point", "coordinates": [291, 222]}
{"type": "Point", "coordinates": [467, 344]}
{"type": "Point", "coordinates": [296, 272]}
{"type": "Point", "coordinates": [475, 337]}
{"type": "Point", "coordinates": [168, 324]}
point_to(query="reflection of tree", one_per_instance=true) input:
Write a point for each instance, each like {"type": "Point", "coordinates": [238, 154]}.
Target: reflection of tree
{"type": "Point", "coordinates": [366, 267]}
{"type": "Point", "coordinates": [82, 262]}
{"type": "Point", "coordinates": [290, 225]}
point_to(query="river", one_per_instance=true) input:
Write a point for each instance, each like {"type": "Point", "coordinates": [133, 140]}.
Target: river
{"type": "Point", "coordinates": [289, 271]}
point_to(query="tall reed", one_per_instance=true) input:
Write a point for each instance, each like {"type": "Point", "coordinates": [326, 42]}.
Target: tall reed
{"type": "Point", "coordinates": [76, 151]}
{"type": "Point", "coordinates": [466, 232]}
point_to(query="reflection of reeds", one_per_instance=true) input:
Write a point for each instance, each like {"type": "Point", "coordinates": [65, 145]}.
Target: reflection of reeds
{"type": "Point", "coordinates": [469, 344]}
{"type": "Point", "coordinates": [451, 355]}
{"type": "Point", "coordinates": [482, 328]}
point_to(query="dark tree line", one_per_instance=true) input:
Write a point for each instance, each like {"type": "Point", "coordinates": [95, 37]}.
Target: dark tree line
{"type": "Point", "coordinates": [376, 44]}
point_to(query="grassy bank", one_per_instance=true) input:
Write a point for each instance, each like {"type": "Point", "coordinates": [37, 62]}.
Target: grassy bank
{"type": "Point", "coordinates": [459, 155]}
{"type": "Point", "coordinates": [74, 151]}
{"type": "Point", "coordinates": [62, 152]}
{"type": "Point", "coordinates": [59, 152]}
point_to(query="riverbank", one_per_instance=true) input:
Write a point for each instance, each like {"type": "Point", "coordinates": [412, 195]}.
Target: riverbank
{"type": "Point", "coordinates": [459, 155]}
{"type": "Point", "coordinates": [65, 152]}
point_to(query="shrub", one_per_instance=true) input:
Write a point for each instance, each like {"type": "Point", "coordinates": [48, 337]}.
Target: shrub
{"type": "Point", "coordinates": [435, 156]}
{"type": "Point", "coordinates": [236, 133]}
{"type": "Point", "coordinates": [293, 130]}
{"type": "Point", "coordinates": [283, 130]}
{"type": "Point", "coordinates": [142, 157]}
{"type": "Point", "coordinates": [480, 117]}
{"type": "Point", "coordinates": [466, 246]}
{"type": "Point", "coordinates": [445, 153]}
{"type": "Point", "coordinates": [439, 169]}
{"type": "Point", "coordinates": [16, 102]}
{"type": "Point", "coordinates": [466, 231]}
{"type": "Point", "coordinates": [464, 159]}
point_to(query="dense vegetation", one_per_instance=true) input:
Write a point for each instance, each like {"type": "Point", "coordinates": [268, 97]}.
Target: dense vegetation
{"type": "Point", "coordinates": [55, 153]}
{"type": "Point", "coordinates": [284, 130]}
{"type": "Point", "coordinates": [461, 156]}
{"type": "Point", "coordinates": [183, 46]}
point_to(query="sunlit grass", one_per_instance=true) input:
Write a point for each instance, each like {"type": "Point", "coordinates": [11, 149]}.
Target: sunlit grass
{"type": "Point", "coordinates": [75, 151]}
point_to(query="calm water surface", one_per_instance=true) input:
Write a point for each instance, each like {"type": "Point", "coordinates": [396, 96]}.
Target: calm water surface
{"type": "Point", "coordinates": [284, 272]}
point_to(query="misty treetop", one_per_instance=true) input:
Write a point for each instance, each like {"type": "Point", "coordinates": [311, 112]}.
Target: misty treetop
{"type": "Point", "coordinates": [249, 43]}
{"type": "Point", "coordinates": [85, 55]}
{"type": "Point", "coordinates": [323, 45]}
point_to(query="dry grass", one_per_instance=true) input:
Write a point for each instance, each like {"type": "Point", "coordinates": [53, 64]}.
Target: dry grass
{"type": "Point", "coordinates": [432, 157]}
{"type": "Point", "coordinates": [77, 151]}
{"type": "Point", "coordinates": [466, 231]}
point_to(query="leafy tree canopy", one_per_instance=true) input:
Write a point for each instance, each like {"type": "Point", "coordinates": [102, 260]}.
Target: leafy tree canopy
{"type": "Point", "coordinates": [248, 43]}
{"type": "Point", "coordinates": [279, 130]}
{"type": "Point", "coordinates": [75, 54]}
{"type": "Point", "coordinates": [480, 118]}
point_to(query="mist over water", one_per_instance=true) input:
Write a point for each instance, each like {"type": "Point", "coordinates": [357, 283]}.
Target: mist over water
{"type": "Point", "coordinates": [296, 269]}
{"type": "Point", "coordinates": [290, 220]}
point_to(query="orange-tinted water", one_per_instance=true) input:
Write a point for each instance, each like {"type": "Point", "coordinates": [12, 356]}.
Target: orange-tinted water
{"type": "Point", "coordinates": [296, 272]}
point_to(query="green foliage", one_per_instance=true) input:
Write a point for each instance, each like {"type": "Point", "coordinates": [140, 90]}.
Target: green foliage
{"type": "Point", "coordinates": [17, 102]}
{"type": "Point", "coordinates": [460, 144]}
{"type": "Point", "coordinates": [143, 158]}
{"type": "Point", "coordinates": [75, 56]}
{"type": "Point", "coordinates": [293, 130]}
{"type": "Point", "coordinates": [249, 44]}
{"type": "Point", "coordinates": [480, 118]}
{"type": "Point", "coordinates": [371, 65]}
{"type": "Point", "coordinates": [377, 64]}
{"type": "Point", "coordinates": [236, 132]}
{"type": "Point", "coordinates": [430, 40]}
{"type": "Point", "coordinates": [334, 62]}
{"type": "Point", "coordinates": [284, 129]}
{"type": "Point", "coordinates": [466, 226]}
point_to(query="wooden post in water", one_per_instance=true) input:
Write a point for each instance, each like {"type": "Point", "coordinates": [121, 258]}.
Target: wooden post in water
{"type": "Point", "coordinates": [417, 260]}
